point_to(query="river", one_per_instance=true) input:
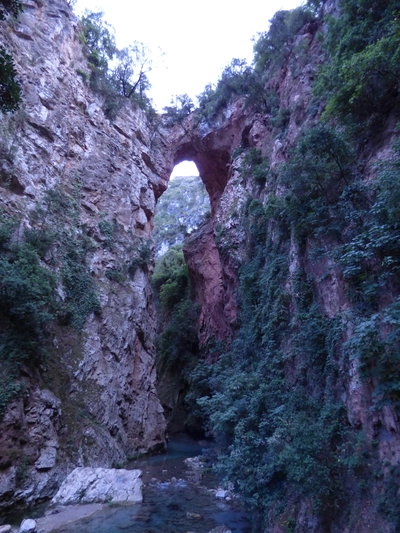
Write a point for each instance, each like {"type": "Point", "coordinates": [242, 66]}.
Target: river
{"type": "Point", "coordinates": [176, 499]}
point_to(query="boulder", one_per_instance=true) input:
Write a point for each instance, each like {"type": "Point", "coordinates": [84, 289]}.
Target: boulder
{"type": "Point", "coordinates": [100, 485]}
{"type": "Point", "coordinates": [5, 529]}
{"type": "Point", "coordinates": [47, 459]}
{"type": "Point", "coordinates": [221, 493]}
{"type": "Point", "coordinates": [28, 526]}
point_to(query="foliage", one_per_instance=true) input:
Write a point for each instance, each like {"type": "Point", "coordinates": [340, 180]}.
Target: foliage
{"type": "Point", "coordinates": [10, 7]}
{"type": "Point", "coordinates": [273, 399]}
{"type": "Point", "coordinates": [181, 106]}
{"type": "Point", "coordinates": [273, 47]}
{"type": "Point", "coordinates": [27, 301]}
{"type": "Point", "coordinates": [107, 229]}
{"type": "Point", "coordinates": [10, 88]}
{"type": "Point", "coordinates": [142, 258]}
{"type": "Point", "coordinates": [170, 279]}
{"type": "Point", "coordinates": [256, 165]}
{"type": "Point", "coordinates": [272, 406]}
{"type": "Point", "coordinates": [61, 213]}
{"type": "Point", "coordinates": [237, 79]}
{"type": "Point", "coordinates": [130, 74]}
{"type": "Point", "coordinates": [359, 80]}
{"type": "Point", "coordinates": [177, 345]}
{"type": "Point", "coordinates": [127, 79]}
{"type": "Point", "coordinates": [27, 309]}
{"type": "Point", "coordinates": [271, 50]}
{"type": "Point", "coordinates": [315, 177]}
{"type": "Point", "coordinates": [43, 279]}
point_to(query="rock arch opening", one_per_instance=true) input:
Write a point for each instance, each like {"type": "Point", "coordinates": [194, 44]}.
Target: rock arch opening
{"type": "Point", "coordinates": [185, 168]}
{"type": "Point", "coordinates": [181, 209]}
{"type": "Point", "coordinates": [212, 164]}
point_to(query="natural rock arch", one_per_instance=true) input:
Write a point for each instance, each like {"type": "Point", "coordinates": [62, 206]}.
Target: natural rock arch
{"type": "Point", "coordinates": [209, 146]}
{"type": "Point", "coordinates": [213, 166]}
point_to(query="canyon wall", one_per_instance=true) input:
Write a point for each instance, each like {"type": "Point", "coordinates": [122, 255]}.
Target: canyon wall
{"type": "Point", "coordinates": [245, 229]}
{"type": "Point", "coordinates": [78, 195]}
{"type": "Point", "coordinates": [92, 184]}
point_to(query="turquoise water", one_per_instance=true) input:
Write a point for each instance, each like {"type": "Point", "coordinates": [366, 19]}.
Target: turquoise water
{"type": "Point", "coordinates": [174, 501]}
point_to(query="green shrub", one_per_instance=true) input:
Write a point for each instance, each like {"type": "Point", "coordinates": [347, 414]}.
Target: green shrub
{"type": "Point", "coordinates": [256, 165]}
{"type": "Point", "coordinates": [142, 258]}
{"type": "Point", "coordinates": [274, 47]}
{"type": "Point", "coordinates": [358, 81]}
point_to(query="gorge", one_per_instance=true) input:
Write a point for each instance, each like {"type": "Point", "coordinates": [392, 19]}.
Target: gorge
{"type": "Point", "coordinates": [290, 288]}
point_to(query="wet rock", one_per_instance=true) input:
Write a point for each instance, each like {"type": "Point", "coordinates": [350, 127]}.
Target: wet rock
{"type": "Point", "coordinates": [100, 485]}
{"type": "Point", "coordinates": [5, 529]}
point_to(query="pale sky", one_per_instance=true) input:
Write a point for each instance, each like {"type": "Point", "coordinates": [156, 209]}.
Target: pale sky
{"type": "Point", "coordinates": [198, 39]}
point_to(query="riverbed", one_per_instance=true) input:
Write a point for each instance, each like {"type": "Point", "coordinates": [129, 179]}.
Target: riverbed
{"type": "Point", "coordinates": [176, 498]}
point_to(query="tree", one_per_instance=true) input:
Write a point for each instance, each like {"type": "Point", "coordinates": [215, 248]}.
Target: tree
{"type": "Point", "coordinates": [10, 88]}
{"type": "Point", "coordinates": [181, 106]}
{"type": "Point", "coordinates": [99, 38]}
{"type": "Point", "coordinates": [130, 74]}
{"type": "Point", "coordinates": [274, 46]}
{"type": "Point", "coordinates": [127, 75]}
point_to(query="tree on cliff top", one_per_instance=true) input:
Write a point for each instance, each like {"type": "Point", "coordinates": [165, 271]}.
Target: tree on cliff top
{"type": "Point", "coordinates": [127, 76]}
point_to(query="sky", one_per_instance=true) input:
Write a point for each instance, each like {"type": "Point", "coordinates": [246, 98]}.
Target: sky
{"type": "Point", "coordinates": [191, 42]}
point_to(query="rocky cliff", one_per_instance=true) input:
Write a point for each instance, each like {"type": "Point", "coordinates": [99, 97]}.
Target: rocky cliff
{"type": "Point", "coordinates": [85, 188]}
{"type": "Point", "coordinates": [295, 273]}
{"type": "Point", "coordinates": [298, 301]}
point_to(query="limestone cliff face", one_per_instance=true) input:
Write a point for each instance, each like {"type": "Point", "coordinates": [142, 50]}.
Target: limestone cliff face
{"type": "Point", "coordinates": [94, 402]}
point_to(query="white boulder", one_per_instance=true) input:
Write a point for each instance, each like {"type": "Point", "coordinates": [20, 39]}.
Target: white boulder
{"type": "Point", "coordinates": [100, 485]}
{"type": "Point", "coordinates": [28, 526]}
{"type": "Point", "coordinates": [221, 493]}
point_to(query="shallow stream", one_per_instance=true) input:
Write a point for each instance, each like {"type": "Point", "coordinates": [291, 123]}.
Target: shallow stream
{"type": "Point", "coordinates": [176, 499]}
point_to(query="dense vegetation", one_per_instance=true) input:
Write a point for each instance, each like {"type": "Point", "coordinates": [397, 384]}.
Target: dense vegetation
{"type": "Point", "coordinates": [274, 400]}
{"type": "Point", "coordinates": [10, 88]}
{"type": "Point", "coordinates": [177, 342]}
{"type": "Point", "coordinates": [44, 283]}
